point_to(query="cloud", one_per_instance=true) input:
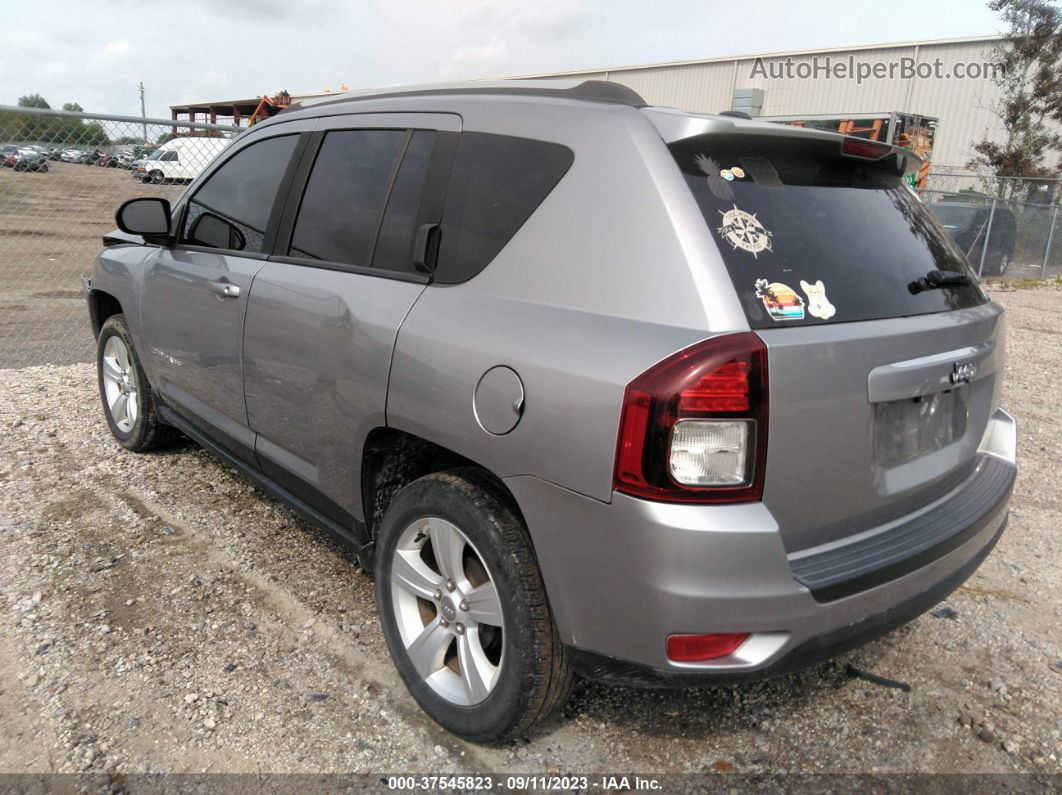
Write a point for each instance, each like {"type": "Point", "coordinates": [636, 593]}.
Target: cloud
{"type": "Point", "coordinates": [477, 60]}
{"type": "Point", "coordinates": [112, 53]}
{"type": "Point", "coordinates": [53, 69]}
{"type": "Point", "coordinates": [257, 11]}
{"type": "Point", "coordinates": [568, 22]}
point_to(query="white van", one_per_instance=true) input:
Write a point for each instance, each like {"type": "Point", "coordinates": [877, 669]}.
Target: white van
{"type": "Point", "coordinates": [180, 159]}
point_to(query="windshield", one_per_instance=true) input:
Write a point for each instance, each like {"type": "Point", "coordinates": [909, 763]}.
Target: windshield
{"type": "Point", "coordinates": [809, 237]}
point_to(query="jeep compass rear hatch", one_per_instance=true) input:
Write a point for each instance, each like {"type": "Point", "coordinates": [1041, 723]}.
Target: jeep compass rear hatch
{"type": "Point", "coordinates": [882, 347]}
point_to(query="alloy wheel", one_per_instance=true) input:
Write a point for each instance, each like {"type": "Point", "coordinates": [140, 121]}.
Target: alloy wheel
{"type": "Point", "coordinates": [447, 610]}
{"type": "Point", "coordinates": [120, 384]}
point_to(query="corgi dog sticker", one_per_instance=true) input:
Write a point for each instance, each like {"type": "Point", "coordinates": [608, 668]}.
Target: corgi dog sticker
{"type": "Point", "coordinates": [818, 304]}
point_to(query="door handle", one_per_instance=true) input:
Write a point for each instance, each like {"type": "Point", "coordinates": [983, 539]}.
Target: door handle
{"type": "Point", "coordinates": [225, 289]}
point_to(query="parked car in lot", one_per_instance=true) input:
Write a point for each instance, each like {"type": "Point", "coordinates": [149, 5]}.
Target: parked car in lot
{"type": "Point", "coordinates": [593, 388]}
{"type": "Point", "coordinates": [29, 159]}
{"type": "Point", "coordinates": [73, 156]}
{"type": "Point", "coordinates": [179, 160]}
{"type": "Point", "coordinates": [8, 154]}
{"type": "Point", "coordinates": [970, 225]}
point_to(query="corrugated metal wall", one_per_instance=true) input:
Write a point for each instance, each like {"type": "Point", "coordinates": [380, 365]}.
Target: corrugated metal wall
{"type": "Point", "coordinates": [961, 105]}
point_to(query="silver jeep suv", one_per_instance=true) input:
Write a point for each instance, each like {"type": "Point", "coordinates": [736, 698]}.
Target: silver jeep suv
{"type": "Point", "coordinates": [593, 388]}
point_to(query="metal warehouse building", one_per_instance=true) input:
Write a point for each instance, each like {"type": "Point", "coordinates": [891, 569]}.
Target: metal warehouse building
{"type": "Point", "coordinates": [714, 84]}
{"type": "Point", "coordinates": [774, 85]}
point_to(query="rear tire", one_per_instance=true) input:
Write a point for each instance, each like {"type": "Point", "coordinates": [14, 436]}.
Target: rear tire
{"type": "Point", "coordinates": [435, 617]}
{"type": "Point", "coordinates": [127, 397]}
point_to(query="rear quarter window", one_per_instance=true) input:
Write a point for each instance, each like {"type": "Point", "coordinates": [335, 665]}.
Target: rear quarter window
{"type": "Point", "coordinates": [496, 183]}
{"type": "Point", "coordinates": [810, 237]}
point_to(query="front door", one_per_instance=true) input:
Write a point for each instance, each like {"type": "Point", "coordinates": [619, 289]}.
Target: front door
{"type": "Point", "coordinates": [195, 295]}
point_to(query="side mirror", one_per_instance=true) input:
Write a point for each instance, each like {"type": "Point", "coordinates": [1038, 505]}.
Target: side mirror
{"type": "Point", "coordinates": [214, 231]}
{"type": "Point", "coordinates": [149, 218]}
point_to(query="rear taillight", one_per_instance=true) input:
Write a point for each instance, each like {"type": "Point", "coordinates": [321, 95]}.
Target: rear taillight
{"type": "Point", "coordinates": [694, 426]}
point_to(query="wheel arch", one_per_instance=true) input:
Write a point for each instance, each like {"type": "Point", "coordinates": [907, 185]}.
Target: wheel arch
{"type": "Point", "coordinates": [392, 459]}
{"type": "Point", "coordinates": [102, 305]}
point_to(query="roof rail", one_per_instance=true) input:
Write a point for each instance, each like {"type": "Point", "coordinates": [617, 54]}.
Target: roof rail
{"type": "Point", "coordinates": [587, 90]}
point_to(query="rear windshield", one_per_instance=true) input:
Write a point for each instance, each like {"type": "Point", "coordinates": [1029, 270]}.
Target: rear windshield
{"type": "Point", "coordinates": [810, 237]}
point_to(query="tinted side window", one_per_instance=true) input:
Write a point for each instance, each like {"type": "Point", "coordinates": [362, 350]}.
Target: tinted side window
{"type": "Point", "coordinates": [240, 194]}
{"type": "Point", "coordinates": [497, 181]}
{"type": "Point", "coordinates": [341, 206]}
{"type": "Point", "coordinates": [170, 156]}
{"type": "Point", "coordinates": [393, 247]}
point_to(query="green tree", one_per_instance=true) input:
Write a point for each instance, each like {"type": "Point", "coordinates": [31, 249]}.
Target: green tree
{"type": "Point", "coordinates": [1029, 76]}
{"type": "Point", "coordinates": [93, 134]}
{"type": "Point", "coordinates": [33, 101]}
{"type": "Point", "coordinates": [47, 129]}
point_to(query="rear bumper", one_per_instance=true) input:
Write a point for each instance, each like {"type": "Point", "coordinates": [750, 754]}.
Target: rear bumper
{"type": "Point", "coordinates": [623, 576]}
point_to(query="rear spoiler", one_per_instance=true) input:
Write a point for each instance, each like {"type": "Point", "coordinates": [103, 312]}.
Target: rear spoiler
{"type": "Point", "coordinates": [675, 125]}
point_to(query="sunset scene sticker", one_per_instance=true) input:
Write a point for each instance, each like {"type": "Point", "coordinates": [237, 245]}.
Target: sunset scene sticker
{"type": "Point", "coordinates": [780, 300]}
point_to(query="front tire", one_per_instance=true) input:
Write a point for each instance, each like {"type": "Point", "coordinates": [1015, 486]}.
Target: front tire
{"type": "Point", "coordinates": [128, 400]}
{"type": "Point", "coordinates": [464, 609]}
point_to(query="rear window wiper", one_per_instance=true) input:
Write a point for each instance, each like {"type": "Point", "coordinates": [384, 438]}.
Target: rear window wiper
{"type": "Point", "coordinates": [935, 280]}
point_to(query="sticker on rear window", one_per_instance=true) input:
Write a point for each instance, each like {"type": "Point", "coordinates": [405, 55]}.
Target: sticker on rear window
{"type": "Point", "coordinates": [716, 184]}
{"type": "Point", "coordinates": [727, 174]}
{"type": "Point", "coordinates": [743, 230]}
{"type": "Point", "coordinates": [738, 172]}
{"type": "Point", "coordinates": [780, 300]}
{"type": "Point", "coordinates": [818, 304]}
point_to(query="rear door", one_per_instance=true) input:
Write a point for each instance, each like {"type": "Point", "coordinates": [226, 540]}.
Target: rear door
{"type": "Point", "coordinates": [884, 352]}
{"type": "Point", "coordinates": [325, 310]}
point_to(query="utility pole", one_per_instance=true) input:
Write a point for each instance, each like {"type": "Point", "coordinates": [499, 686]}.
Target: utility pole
{"type": "Point", "coordinates": [143, 115]}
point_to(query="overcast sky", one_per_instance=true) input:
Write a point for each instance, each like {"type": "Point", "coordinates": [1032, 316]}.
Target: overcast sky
{"type": "Point", "coordinates": [94, 53]}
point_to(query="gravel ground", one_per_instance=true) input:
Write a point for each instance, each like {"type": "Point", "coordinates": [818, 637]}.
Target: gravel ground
{"type": "Point", "coordinates": [160, 615]}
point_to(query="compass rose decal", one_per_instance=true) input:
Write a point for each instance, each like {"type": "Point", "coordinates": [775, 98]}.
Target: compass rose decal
{"type": "Point", "coordinates": [743, 230]}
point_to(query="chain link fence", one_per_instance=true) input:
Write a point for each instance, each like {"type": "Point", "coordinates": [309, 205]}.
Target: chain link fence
{"type": "Point", "coordinates": [1008, 226]}
{"type": "Point", "coordinates": [62, 176]}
